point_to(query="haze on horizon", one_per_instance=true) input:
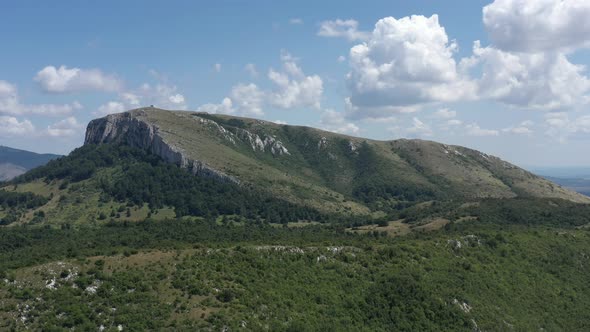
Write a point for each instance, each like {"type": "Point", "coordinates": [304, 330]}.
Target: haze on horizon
{"type": "Point", "coordinates": [507, 77]}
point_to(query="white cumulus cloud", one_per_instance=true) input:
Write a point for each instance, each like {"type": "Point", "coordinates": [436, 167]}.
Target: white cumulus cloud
{"type": "Point", "coordinates": [444, 113]}
{"type": "Point", "coordinates": [377, 113]}
{"type": "Point", "coordinates": [539, 25]}
{"type": "Point", "coordinates": [405, 63]}
{"type": "Point", "coordinates": [527, 65]}
{"type": "Point", "coordinates": [247, 99]}
{"type": "Point", "coordinates": [244, 99]}
{"type": "Point", "coordinates": [334, 121]}
{"type": "Point", "coordinates": [342, 28]}
{"type": "Point", "coordinates": [293, 88]}
{"type": "Point", "coordinates": [521, 129]}
{"type": "Point", "coordinates": [64, 79]}
{"type": "Point", "coordinates": [11, 126]}
{"type": "Point", "coordinates": [130, 99]}
{"type": "Point", "coordinates": [290, 88]}
{"type": "Point", "coordinates": [10, 103]}
{"type": "Point", "coordinates": [543, 81]}
{"type": "Point", "coordinates": [250, 68]}
{"type": "Point", "coordinates": [474, 129]}
{"type": "Point", "coordinates": [110, 108]}
{"type": "Point", "coordinates": [65, 128]}
{"type": "Point", "coordinates": [176, 99]}
{"type": "Point", "coordinates": [419, 129]}
{"type": "Point", "coordinates": [409, 62]}
{"type": "Point", "coordinates": [225, 107]}
{"type": "Point", "coordinates": [161, 95]}
{"type": "Point", "coordinates": [561, 127]}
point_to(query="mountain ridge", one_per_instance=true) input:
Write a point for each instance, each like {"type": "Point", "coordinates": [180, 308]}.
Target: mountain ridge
{"type": "Point", "coordinates": [319, 163]}
{"type": "Point", "coordinates": [249, 169]}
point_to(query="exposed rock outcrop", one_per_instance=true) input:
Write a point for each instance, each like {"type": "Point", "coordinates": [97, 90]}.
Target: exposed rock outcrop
{"type": "Point", "coordinates": [226, 134]}
{"type": "Point", "coordinates": [322, 143]}
{"type": "Point", "coordinates": [129, 128]}
{"type": "Point", "coordinates": [273, 145]}
{"type": "Point", "coordinates": [256, 142]}
{"type": "Point", "coordinates": [352, 146]}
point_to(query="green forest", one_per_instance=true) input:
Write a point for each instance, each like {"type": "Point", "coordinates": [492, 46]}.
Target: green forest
{"type": "Point", "coordinates": [138, 178]}
{"type": "Point", "coordinates": [183, 275]}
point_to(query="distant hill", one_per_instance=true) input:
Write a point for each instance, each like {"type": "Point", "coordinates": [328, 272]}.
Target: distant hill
{"type": "Point", "coordinates": [580, 185]}
{"type": "Point", "coordinates": [572, 172]}
{"type": "Point", "coordinates": [9, 171]}
{"type": "Point", "coordinates": [573, 178]}
{"type": "Point", "coordinates": [14, 162]}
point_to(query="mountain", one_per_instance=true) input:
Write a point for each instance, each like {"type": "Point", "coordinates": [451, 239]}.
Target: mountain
{"type": "Point", "coordinates": [258, 170]}
{"type": "Point", "coordinates": [14, 162]}
{"type": "Point", "coordinates": [317, 168]}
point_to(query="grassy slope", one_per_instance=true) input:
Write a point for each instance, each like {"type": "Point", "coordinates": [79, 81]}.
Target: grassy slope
{"type": "Point", "coordinates": [319, 172]}
{"type": "Point", "coordinates": [291, 177]}
{"type": "Point", "coordinates": [80, 203]}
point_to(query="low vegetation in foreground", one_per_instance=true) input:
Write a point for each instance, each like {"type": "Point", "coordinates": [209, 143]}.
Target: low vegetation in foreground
{"type": "Point", "coordinates": [199, 275]}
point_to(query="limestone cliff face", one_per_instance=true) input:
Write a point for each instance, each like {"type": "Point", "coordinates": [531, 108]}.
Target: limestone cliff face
{"type": "Point", "coordinates": [131, 129]}
{"type": "Point", "coordinates": [262, 143]}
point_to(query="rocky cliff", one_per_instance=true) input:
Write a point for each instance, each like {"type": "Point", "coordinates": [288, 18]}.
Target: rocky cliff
{"type": "Point", "coordinates": [133, 129]}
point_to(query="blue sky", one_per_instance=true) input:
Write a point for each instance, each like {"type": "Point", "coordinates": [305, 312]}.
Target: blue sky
{"type": "Point", "coordinates": [383, 69]}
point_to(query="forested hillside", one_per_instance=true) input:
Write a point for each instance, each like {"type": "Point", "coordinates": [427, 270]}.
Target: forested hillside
{"type": "Point", "coordinates": [326, 171]}
{"type": "Point", "coordinates": [121, 178]}
{"type": "Point", "coordinates": [186, 275]}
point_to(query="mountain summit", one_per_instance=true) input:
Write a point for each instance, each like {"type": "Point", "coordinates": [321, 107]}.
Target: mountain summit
{"type": "Point", "coordinates": [324, 170]}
